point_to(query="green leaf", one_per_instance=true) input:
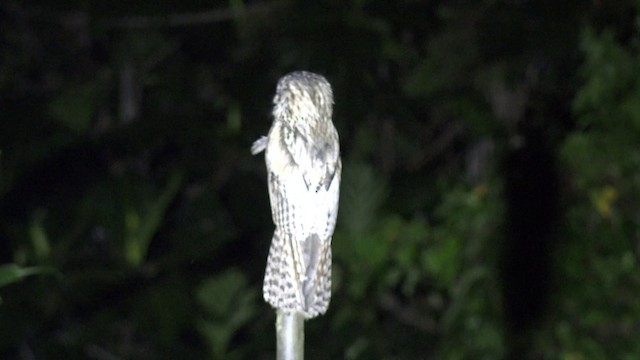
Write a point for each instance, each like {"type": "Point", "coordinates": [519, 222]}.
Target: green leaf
{"type": "Point", "coordinates": [363, 193]}
{"type": "Point", "coordinates": [141, 228]}
{"type": "Point", "coordinates": [11, 273]}
{"type": "Point", "coordinates": [444, 260]}
{"type": "Point", "coordinates": [218, 337]}
{"type": "Point", "coordinates": [75, 106]}
{"type": "Point", "coordinates": [234, 119]}
{"type": "Point", "coordinates": [229, 305]}
{"type": "Point", "coordinates": [223, 295]}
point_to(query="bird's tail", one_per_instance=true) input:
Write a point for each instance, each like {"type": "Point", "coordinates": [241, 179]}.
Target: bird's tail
{"type": "Point", "coordinates": [298, 275]}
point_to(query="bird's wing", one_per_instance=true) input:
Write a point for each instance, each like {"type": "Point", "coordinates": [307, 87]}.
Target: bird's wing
{"type": "Point", "coordinates": [259, 145]}
{"type": "Point", "coordinates": [303, 188]}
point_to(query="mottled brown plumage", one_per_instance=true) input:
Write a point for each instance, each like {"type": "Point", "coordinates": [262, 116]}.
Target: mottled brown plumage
{"type": "Point", "coordinates": [304, 167]}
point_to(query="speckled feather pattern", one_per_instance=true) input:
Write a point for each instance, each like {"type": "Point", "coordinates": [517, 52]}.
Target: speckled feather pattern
{"type": "Point", "coordinates": [304, 167]}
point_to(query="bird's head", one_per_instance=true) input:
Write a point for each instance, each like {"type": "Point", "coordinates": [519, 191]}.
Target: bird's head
{"type": "Point", "coordinates": [303, 99]}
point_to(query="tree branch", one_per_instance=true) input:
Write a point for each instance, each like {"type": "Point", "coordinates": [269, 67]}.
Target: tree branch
{"type": "Point", "coordinates": [195, 18]}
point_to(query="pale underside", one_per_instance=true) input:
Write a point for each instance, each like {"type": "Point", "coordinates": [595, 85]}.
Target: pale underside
{"type": "Point", "coordinates": [304, 180]}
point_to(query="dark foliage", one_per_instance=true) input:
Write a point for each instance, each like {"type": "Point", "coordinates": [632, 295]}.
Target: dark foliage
{"type": "Point", "coordinates": [489, 202]}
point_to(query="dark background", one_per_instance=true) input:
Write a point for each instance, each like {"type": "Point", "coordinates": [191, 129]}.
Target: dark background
{"type": "Point", "coordinates": [489, 204]}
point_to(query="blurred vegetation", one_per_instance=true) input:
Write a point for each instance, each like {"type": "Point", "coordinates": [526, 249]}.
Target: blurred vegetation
{"type": "Point", "coordinates": [135, 224]}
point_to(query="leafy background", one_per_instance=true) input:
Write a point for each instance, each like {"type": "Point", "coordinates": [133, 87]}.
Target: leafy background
{"type": "Point", "coordinates": [489, 205]}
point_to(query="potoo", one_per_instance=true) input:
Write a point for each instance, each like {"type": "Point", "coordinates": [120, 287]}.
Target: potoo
{"type": "Point", "coordinates": [303, 164]}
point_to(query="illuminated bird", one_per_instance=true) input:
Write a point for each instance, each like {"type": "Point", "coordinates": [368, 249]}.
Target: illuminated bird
{"type": "Point", "coordinates": [303, 163]}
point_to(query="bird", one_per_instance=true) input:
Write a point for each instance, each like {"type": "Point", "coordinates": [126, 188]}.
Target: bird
{"type": "Point", "coordinates": [302, 155]}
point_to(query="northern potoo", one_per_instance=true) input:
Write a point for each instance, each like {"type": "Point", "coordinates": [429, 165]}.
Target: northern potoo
{"type": "Point", "coordinates": [303, 165]}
